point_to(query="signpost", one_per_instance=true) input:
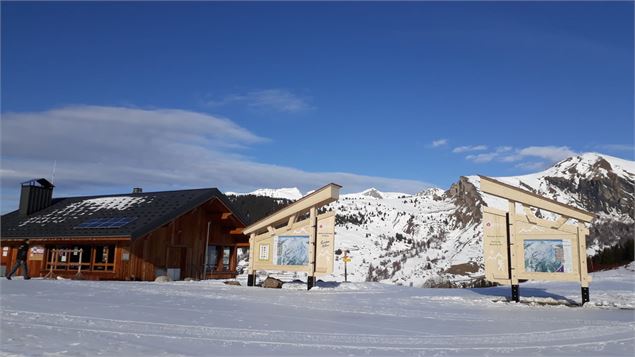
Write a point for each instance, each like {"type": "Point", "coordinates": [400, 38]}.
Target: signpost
{"type": "Point", "coordinates": [525, 247]}
{"type": "Point", "coordinates": [346, 259]}
{"type": "Point", "coordinates": [280, 242]}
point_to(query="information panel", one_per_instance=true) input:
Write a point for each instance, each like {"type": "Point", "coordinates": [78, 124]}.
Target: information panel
{"type": "Point", "coordinates": [548, 256]}
{"type": "Point", "coordinates": [519, 246]}
{"type": "Point", "coordinates": [291, 250]}
{"type": "Point", "coordinates": [296, 238]}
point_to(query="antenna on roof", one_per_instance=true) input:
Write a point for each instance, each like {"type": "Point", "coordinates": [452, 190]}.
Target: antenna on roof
{"type": "Point", "coordinates": [53, 173]}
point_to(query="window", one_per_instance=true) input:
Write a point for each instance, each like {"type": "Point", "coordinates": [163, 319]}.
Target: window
{"type": "Point", "coordinates": [89, 257]}
{"type": "Point", "coordinates": [104, 257]}
{"type": "Point", "coordinates": [219, 258]}
{"type": "Point", "coordinates": [79, 255]}
{"type": "Point", "coordinates": [226, 256]}
{"type": "Point", "coordinates": [212, 256]}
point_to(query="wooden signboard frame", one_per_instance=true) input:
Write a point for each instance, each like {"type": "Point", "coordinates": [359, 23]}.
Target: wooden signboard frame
{"type": "Point", "coordinates": [514, 244]}
{"type": "Point", "coordinates": [318, 230]}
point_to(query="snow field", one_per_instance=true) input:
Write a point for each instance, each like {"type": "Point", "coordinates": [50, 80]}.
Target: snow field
{"type": "Point", "coordinates": [84, 318]}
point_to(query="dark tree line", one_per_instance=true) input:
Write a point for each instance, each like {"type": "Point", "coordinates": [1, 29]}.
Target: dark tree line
{"type": "Point", "coordinates": [611, 257]}
{"type": "Point", "coordinates": [253, 208]}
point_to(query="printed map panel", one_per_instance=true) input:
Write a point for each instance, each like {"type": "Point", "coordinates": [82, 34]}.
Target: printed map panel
{"type": "Point", "coordinates": [292, 250]}
{"type": "Point", "coordinates": [548, 256]}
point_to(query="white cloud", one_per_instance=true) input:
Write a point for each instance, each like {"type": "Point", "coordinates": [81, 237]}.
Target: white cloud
{"type": "Point", "coordinates": [272, 99]}
{"type": "Point", "coordinates": [468, 148]}
{"type": "Point", "coordinates": [549, 155]}
{"type": "Point", "coordinates": [439, 142]}
{"type": "Point", "coordinates": [504, 149]}
{"type": "Point", "coordinates": [98, 149]}
{"type": "Point", "coordinates": [481, 158]}
{"type": "Point", "coordinates": [536, 165]}
{"type": "Point", "coordinates": [509, 157]}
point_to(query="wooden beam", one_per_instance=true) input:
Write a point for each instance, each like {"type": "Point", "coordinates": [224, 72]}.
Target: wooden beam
{"type": "Point", "coordinates": [509, 192]}
{"type": "Point", "coordinates": [530, 215]}
{"type": "Point", "coordinates": [296, 225]}
{"type": "Point", "coordinates": [292, 220]}
{"type": "Point", "coordinates": [236, 231]}
{"type": "Point", "coordinates": [557, 224]}
{"type": "Point", "coordinates": [226, 215]}
{"type": "Point", "coordinates": [318, 198]}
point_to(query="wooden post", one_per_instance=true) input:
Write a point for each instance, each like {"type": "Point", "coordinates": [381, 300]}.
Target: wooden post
{"type": "Point", "coordinates": [54, 259]}
{"type": "Point", "coordinates": [584, 273]}
{"type": "Point", "coordinates": [313, 245]}
{"type": "Point", "coordinates": [511, 235]}
{"type": "Point", "coordinates": [251, 273]}
{"type": "Point", "coordinates": [81, 253]}
{"type": "Point", "coordinates": [209, 223]}
{"type": "Point", "coordinates": [345, 262]}
{"type": "Point", "coordinates": [79, 269]}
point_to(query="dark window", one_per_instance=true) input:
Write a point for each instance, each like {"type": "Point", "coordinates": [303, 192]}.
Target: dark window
{"type": "Point", "coordinates": [104, 257]}
{"type": "Point", "coordinates": [212, 257]}
{"type": "Point", "coordinates": [226, 256]}
{"type": "Point", "coordinates": [79, 254]}
{"type": "Point", "coordinates": [219, 258]}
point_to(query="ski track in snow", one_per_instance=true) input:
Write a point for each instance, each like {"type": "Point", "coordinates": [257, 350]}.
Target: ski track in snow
{"type": "Point", "coordinates": [82, 318]}
{"type": "Point", "coordinates": [618, 333]}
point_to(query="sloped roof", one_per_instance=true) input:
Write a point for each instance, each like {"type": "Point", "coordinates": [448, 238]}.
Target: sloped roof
{"type": "Point", "coordinates": [145, 212]}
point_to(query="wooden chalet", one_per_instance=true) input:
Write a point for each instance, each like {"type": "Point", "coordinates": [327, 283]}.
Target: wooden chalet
{"type": "Point", "coordinates": [134, 236]}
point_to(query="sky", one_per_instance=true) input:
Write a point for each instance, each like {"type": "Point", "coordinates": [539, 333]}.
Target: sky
{"type": "Point", "coordinates": [102, 97]}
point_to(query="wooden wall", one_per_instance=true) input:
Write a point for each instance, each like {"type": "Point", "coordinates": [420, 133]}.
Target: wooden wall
{"type": "Point", "coordinates": [178, 244]}
{"type": "Point", "coordinates": [181, 244]}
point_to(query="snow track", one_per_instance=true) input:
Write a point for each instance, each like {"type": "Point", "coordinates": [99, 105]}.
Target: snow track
{"type": "Point", "coordinates": [587, 337]}
{"type": "Point", "coordinates": [81, 318]}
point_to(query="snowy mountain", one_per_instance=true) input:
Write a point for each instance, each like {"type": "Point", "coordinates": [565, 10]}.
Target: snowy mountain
{"type": "Point", "coordinates": [283, 193]}
{"type": "Point", "coordinates": [594, 182]}
{"type": "Point", "coordinates": [434, 238]}
{"type": "Point", "coordinates": [376, 194]}
{"type": "Point", "coordinates": [400, 238]}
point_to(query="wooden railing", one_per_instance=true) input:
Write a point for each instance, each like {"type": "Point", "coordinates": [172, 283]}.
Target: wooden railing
{"type": "Point", "coordinates": [53, 263]}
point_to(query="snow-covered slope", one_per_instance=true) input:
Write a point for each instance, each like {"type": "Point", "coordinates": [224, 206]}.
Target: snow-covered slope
{"type": "Point", "coordinates": [285, 193]}
{"type": "Point", "coordinates": [567, 180]}
{"type": "Point", "coordinates": [400, 238]}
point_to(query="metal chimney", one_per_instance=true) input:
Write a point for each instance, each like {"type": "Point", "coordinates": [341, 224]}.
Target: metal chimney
{"type": "Point", "coordinates": [35, 195]}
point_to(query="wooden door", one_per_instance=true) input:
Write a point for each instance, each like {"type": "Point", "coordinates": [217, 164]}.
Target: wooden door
{"type": "Point", "coordinates": [36, 260]}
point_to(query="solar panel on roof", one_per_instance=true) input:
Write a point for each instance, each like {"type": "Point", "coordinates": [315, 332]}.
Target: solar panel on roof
{"type": "Point", "coordinates": [113, 222]}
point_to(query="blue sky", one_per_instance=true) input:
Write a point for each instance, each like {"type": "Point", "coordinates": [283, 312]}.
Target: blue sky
{"type": "Point", "coordinates": [247, 95]}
